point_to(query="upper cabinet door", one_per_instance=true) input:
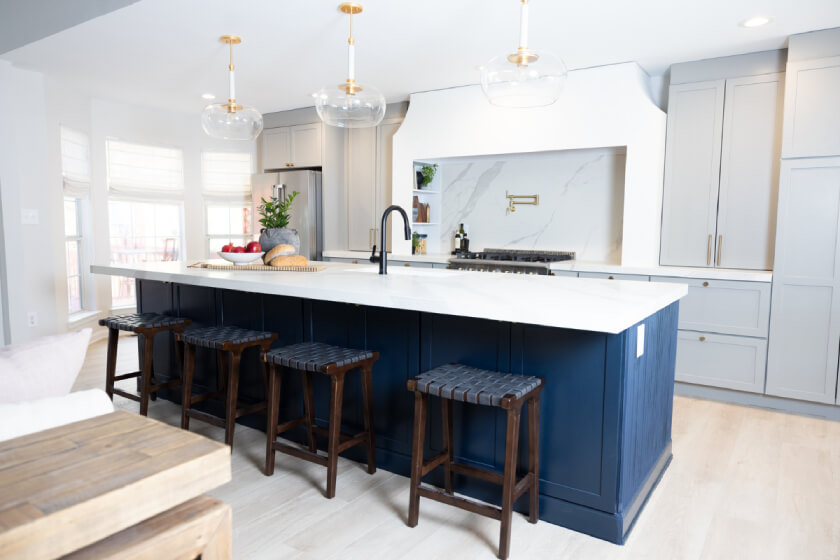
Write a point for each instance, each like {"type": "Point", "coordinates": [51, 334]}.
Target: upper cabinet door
{"type": "Point", "coordinates": [812, 108]}
{"type": "Point", "coordinates": [361, 189]}
{"type": "Point", "coordinates": [749, 172]}
{"type": "Point", "coordinates": [805, 321]}
{"type": "Point", "coordinates": [384, 167]}
{"type": "Point", "coordinates": [692, 172]}
{"type": "Point", "coordinates": [276, 148]}
{"type": "Point", "coordinates": [306, 145]}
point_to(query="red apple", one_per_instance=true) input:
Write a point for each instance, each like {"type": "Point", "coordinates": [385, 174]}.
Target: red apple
{"type": "Point", "coordinates": [227, 248]}
{"type": "Point", "coordinates": [238, 250]}
{"type": "Point", "coordinates": [253, 247]}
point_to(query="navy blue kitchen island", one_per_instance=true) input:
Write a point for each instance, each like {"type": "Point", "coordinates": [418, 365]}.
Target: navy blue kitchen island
{"type": "Point", "coordinates": [605, 411]}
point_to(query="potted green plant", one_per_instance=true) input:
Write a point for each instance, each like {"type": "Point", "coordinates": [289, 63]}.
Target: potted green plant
{"type": "Point", "coordinates": [426, 175]}
{"type": "Point", "coordinates": [274, 218]}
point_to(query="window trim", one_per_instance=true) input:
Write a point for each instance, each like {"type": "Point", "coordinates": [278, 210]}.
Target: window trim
{"type": "Point", "coordinates": [79, 239]}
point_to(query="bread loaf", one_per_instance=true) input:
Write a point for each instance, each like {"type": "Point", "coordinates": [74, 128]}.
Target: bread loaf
{"type": "Point", "coordinates": [289, 260]}
{"type": "Point", "coordinates": [282, 249]}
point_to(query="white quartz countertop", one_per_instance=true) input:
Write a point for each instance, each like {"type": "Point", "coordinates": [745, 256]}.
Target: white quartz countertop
{"type": "Point", "coordinates": [674, 271]}
{"type": "Point", "coordinates": [574, 303]}
{"type": "Point", "coordinates": [583, 266]}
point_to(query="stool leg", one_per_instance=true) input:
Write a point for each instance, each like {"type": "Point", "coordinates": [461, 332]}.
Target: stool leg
{"type": "Point", "coordinates": [367, 402]}
{"type": "Point", "coordinates": [336, 394]}
{"type": "Point", "coordinates": [417, 444]}
{"type": "Point", "coordinates": [221, 371]}
{"type": "Point", "coordinates": [446, 413]}
{"type": "Point", "coordinates": [509, 477]}
{"type": "Point", "coordinates": [111, 361]}
{"type": "Point", "coordinates": [146, 379]}
{"type": "Point", "coordinates": [232, 390]}
{"type": "Point", "coordinates": [186, 386]}
{"type": "Point", "coordinates": [534, 457]}
{"type": "Point", "coordinates": [309, 409]}
{"type": "Point", "coordinates": [273, 404]}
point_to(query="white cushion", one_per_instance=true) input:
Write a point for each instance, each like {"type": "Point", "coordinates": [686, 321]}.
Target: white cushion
{"type": "Point", "coordinates": [44, 367]}
{"type": "Point", "coordinates": [19, 419]}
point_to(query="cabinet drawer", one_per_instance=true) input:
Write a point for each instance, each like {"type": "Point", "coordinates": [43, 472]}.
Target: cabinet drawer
{"type": "Point", "coordinates": [724, 306]}
{"type": "Point", "coordinates": [731, 362]}
{"type": "Point", "coordinates": [605, 276]}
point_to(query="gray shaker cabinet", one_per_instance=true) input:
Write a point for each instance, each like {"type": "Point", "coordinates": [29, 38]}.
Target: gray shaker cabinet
{"type": "Point", "coordinates": [721, 173]}
{"type": "Point", "coordinates": [812, 115]}
{"type": "Point", "coordinates": [692, 172]}
{"type": "Point", "coordinates": [805, 321]}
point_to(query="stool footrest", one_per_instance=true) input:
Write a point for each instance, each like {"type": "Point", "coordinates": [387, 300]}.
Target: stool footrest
{"type": "Point", "coordinates": [286, 426]}
{"type": "Point", "coordinates": [459, 502]}
{"type": "Point", "coordinates": [204, 396]}
{"type": "Point", "coordinates": [475, 472]}
{"type": "Point", "coordinates": [128, 375]}
{"type": "Point", "coordinates": [300, 453]}
{"type": "Point", "coordinates": [254, 408]}
{"type": "Point", "coordinates": [126, 394]}
{"type": "Point", "coordinates": [432, 464]}
{"type": "Point", "coordinates": [525, 483]}
{"type": "Point", "coordinates": [352, 441]}
{"type": "Point", "coordinates": [168, 385]}
{"type": "Point", "coordinates": [206, 417]}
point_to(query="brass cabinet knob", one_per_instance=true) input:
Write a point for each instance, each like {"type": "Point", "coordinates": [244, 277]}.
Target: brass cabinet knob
{"type": "Point", "coordinates": [705, 284]}
{"type": "Point", "coordinates": [407, 264]}
{"type": "Point", "coordinates": [702, 339]}
{"type": "Point", "coordinates": [355, 261]}
{"type": "Point", "coordinates": [611, 278]}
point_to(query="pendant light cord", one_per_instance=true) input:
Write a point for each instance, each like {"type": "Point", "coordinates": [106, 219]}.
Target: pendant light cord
{"type": "Point", "coordinates": [232, 97]}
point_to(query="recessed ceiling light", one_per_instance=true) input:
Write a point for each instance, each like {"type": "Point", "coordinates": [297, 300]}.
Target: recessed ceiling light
{"type": "Point", "coordinates": [756, 21]}
{"type": "Point", "coordinates": [208, 96]}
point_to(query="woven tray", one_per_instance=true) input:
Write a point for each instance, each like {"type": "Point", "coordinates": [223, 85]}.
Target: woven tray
{"type": "Point", "coordinates": [213, 266]}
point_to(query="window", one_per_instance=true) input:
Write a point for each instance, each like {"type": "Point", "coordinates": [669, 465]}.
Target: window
{"type": "Point", "coordinates": [226, 185]}
{"type": "Point", "coordinates": [75, 170]}
{"type": "Point", "coordinates": [73, 254]}
{"type": "Point", "coordinates": [145, 208]}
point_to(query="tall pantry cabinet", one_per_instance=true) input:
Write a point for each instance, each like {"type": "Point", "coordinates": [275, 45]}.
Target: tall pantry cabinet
{"type": "Point", "coordinates": [805, 317]}
{"type": "Point", "coordinates": [721, 170]}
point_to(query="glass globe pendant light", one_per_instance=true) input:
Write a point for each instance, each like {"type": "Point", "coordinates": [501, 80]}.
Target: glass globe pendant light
{"type": "Point", "coordinates": [350, 105]}
{"type": "Point", "coordinates": [231, 121]}
{"type": "Point", "coordinates": [524, 78]}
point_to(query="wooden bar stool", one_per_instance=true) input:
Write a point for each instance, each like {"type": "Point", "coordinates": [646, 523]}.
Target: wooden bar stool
{"type": "Point", "coordinates": [222, 339]}
{"type": "Point", "coordinates": [315, 357]}
{"type": "Point", "coordinates": [489, 388]}
{"type": "Point", "coordinates": [146, 325]}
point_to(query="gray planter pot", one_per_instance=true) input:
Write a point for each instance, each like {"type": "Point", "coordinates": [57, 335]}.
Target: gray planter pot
{"type": "Point", "coordinates": [270, 238]}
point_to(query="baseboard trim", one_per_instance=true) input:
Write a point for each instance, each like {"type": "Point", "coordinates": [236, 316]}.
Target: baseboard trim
{"type": "Point", "coordinates": [781, 404]}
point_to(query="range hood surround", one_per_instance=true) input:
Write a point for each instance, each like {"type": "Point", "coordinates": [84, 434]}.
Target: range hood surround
{"type": "Point", "coordinates": [607, 106]}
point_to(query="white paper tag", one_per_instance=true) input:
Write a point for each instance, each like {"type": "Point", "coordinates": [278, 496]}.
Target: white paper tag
{"type": "Point", "coordinates": [640, 340]}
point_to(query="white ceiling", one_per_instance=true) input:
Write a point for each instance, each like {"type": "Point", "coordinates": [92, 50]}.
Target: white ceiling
{"type": "Point", "coordinates": [166, 53]}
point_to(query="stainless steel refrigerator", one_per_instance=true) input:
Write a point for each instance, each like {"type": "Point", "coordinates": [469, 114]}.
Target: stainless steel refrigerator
{"type": "Point", "coordinates": [306, 209]}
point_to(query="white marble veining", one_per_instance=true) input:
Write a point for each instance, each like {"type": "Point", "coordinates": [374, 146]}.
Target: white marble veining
{"type": "Point", "coordinates": [572, 303]}
{"type": "Point", "coordinates": [580, 208]}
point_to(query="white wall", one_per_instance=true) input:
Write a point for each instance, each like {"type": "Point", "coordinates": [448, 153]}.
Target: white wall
{"type": "Point", "coordinates": [32, 108]}
{"type": "Point", "coordinates": [600, 107]}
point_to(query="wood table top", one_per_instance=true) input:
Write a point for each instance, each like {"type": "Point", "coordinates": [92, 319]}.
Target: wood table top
{"type": "Point", "coordinates": [67, 487]}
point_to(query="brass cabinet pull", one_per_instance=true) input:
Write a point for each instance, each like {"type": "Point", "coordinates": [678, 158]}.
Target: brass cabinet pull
{"type": "Point", "coordinates": [611, 278]}
{"type": "Point", "coordinates": [290, 165]}
{"type": "Point", "coordinates": [709, 251]}
{"type": "Point", "coordinates": [702, 339]}
{"type": "Point", "coordinates": [370, 238]}
{"type": "Point", "coordinates": [705, 284]}
{"type": "Point", "coordinates": [355, 261]}
{"type": "Point", "coordinates": [407, 264]}
{"type": "Point", "coordinates": [720, 248]}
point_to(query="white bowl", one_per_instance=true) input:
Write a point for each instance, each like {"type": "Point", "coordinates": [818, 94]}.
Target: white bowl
{"type": "Point", "coordinates": [241, 258]}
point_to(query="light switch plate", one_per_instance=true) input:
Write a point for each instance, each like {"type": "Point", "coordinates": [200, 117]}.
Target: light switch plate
{"type": "Point", "coordinates": [29, 216]}
{"type": "Point", "coordinates": [640, 340]}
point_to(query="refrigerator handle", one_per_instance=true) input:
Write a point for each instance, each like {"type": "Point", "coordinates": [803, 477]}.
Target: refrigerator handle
{"type": "Point", "coordinates": [279, 192]}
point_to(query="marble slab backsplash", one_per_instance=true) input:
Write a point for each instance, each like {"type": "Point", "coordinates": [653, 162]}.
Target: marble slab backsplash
{"type": "Point", "coordinates": [580, 209]}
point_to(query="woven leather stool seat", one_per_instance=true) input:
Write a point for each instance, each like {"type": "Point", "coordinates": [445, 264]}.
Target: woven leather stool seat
{"type": "Point", "coordinates": [467, 384]}
{"type": "Point", "coordinates": [316, 356]}
{"type": "Point", "coordinates": [141, 321]}
{"type": "Point", "coordinates": [218, 337]}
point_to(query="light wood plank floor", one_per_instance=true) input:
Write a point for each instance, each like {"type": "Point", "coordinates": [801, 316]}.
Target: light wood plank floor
{"type": "Point", "coordinates": [744, 483]}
